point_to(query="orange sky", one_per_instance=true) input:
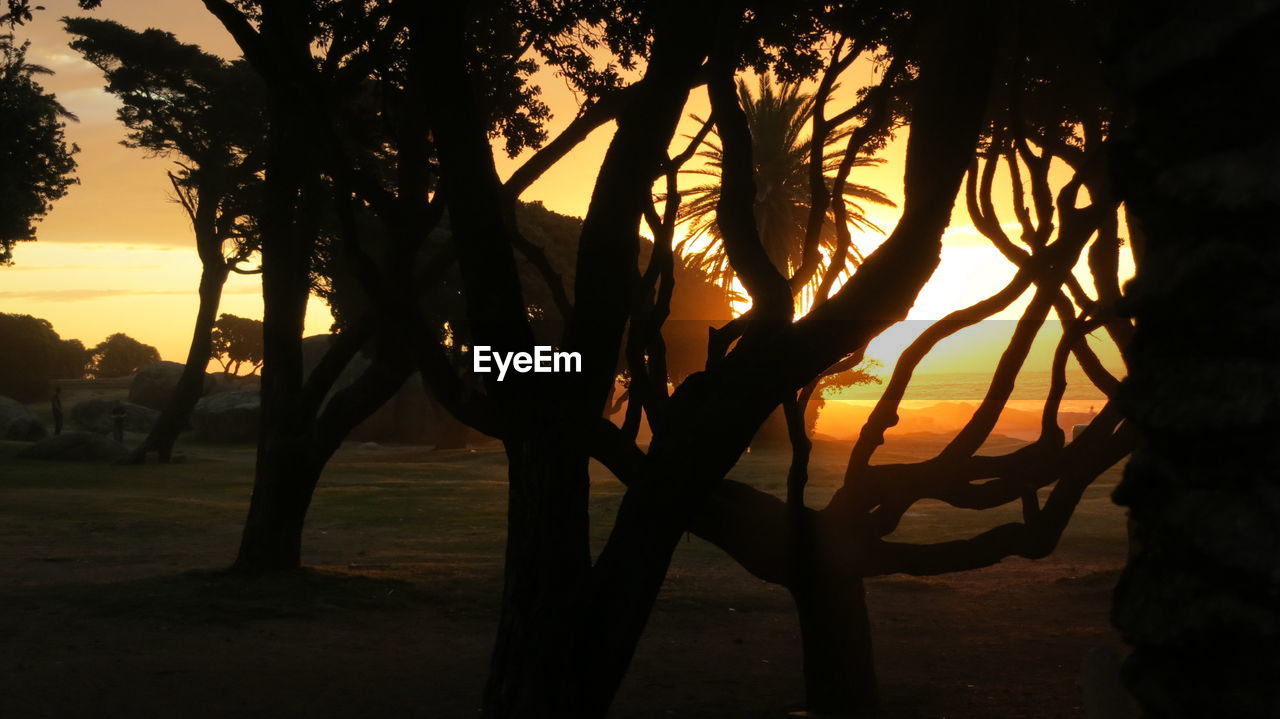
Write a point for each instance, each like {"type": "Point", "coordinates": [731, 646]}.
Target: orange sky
{"type": "Point", "coordinates": [116, 255]}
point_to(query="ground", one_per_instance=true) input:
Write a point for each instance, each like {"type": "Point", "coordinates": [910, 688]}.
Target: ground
{"type": "Point", "coordinates": [112, 603]}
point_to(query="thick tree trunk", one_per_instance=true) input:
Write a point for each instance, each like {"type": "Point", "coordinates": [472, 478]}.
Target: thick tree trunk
{"type": "Point", "coordinates": [283, 486]}
{"type": "Point", "coordinates": [1200, 597]}
{"type": "Point", "coordinates": [536, 669]}
{"type": "Point", "coordinates": [839, 667]}
{"type": "Point", "coordinates": [283, 479]}
{"type": "Point", "coordinates": [831, 603]}
{"type": "Point", "coordinates": [177, 412]}
{"type": "Point", "coordinates": [292, 456]}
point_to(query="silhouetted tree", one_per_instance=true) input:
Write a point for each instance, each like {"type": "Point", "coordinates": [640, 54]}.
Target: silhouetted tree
{"type": "Point", "coordinates": [822, 555]}
{"type": "Point", "coordinates": [32, 355]}
{"type": "Point", "coordinates": [120, 355]}
{"type": "Point", "coordinates": [331, 132]}
{"type": "Point", "coordinates": [237, 341]}
{"type": "Point", "coordinates": [569, 625]}
{"type": "Point", "coordinates": [1200, 597]}
{"type": "Point", "coordinates": [36, 161]}
{"type": "Point", "coordinates": [209, 115]}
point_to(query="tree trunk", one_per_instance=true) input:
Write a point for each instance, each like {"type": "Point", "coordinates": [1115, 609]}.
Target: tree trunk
{"type": "Point", "coordinates": [831, 603]}
{"type": "Point", "coordinates": [839, 666]}
{"type": "Point", "coordinates": [283, 478]}
{"type": "Point", "coordinates": [1200, 597]}
{"type": "Point", "coordinates": [177, 412]}
{"type": "Point", "coordinates": [536, 669]}
{"type": "Point", "coordinates": [283, 486]}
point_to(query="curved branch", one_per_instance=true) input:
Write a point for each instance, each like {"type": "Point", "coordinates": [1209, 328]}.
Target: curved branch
{"type": "Point", "coordinates": [735, 210]}
{"type": "Point", "coordinates": [884, 416]}
{"type": "Point", "coordinates": [1033, 538]}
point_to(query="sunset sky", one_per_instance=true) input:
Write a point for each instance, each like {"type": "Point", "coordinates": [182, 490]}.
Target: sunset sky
{"type": "Point", "coordinates": [116, 254]}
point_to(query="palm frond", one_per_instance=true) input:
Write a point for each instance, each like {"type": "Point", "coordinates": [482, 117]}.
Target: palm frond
{"type": "Point", "coordinates": [778, 115]}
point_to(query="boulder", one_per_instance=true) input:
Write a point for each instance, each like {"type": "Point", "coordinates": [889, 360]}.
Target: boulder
{"type": "Point", "coordinates": [227, 417]}
{"type": "Point", "coordinates": [28, 429]}
{"type": "Point", "coordinates": [17, 422]}
{"type": "Point", "coordinates": [219, 382]}
{"type": "Point", "coordinates": [76, 447]}
{"type": "Point", "coordinates": [94, 415]}
{"type": "Point", "coordinates": [154, 384]}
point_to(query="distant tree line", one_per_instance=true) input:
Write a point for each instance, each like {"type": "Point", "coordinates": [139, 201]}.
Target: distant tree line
{"type": "Point", "coordinates": [33, 355]}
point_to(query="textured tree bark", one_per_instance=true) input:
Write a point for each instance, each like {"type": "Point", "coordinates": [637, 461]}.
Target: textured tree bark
{"type": "Point", "coordinates": [1200, 597]}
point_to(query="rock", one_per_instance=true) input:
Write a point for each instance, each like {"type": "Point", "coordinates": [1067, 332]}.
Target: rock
{"type": "Point", "coordinates": [219, 383]}
{"type": "Point", "coordinates": [1077, 430]}
{"type": "Point", "coordinates": [76, 447]}
{"type": "Point", "coordinates": [19, 423]}
{"type": "Point", "coordinates": [227, 417]}
{"type": "Point", "coordinates": [94, 415]}
{"type": "Point", "coordinates": [25, 430]}
{"type": "Point", "coordinates": [154, 384]}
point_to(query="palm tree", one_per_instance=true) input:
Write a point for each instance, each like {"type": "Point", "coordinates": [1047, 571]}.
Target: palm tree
{"type": "Point", "coordinates": [777, 116]}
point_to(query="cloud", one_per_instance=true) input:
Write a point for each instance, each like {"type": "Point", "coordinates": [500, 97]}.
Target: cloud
{"type": "Point", "coordinates": [90, 104]}
{"type": "Point", "coordinates": [84, 295]}
{"type": "Point", "coordinates": [69, 268]}
{"type": "Point", "coordinates": [60, 61]}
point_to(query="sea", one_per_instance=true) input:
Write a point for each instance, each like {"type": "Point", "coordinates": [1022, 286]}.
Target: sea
{"type": "Point", "coordinates": [972, 387]}
{"type": "Point", "coordinates": [943, 402]}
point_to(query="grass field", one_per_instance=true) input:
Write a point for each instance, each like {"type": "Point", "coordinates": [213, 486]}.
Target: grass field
{"type": "Point", "coordinates": [112, 603]}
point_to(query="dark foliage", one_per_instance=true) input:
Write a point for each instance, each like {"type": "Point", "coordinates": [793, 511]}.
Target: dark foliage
{"type": "Point", "coordinates": [32, 355]}
{"type": "Point", "coordinates": [120, 355]}
{"type": "Point", "coordinates": [237, 341]}
{"type": "Point", "coordinates": [36, 162]}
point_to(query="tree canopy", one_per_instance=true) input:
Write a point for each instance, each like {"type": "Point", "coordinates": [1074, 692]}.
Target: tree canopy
{"type": "Point", "coordinates": [120, 355]}
{"type": "Point", "coordinates": [237, 341]}
{"type": "Point", "coordinates": [32, 355]}
{"type": "Point", "coordinates": [36, 161]}
{"type": "Point", "coordinates": [206, 113]}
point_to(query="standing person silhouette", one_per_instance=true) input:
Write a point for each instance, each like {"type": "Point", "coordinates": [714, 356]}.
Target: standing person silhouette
{"type": "Point", "coordinates": [56, 403]}
{"type": "Point", "coordinates": [117, 421]}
